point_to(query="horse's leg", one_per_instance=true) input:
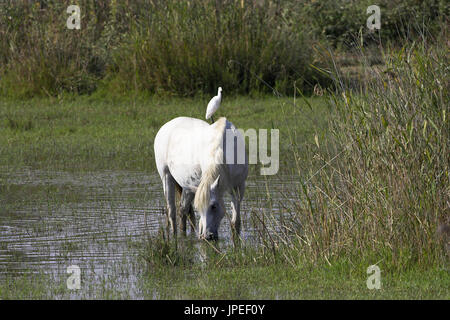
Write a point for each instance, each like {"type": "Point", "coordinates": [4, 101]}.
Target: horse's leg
{"type": "Point", "coordinates": [185, 208]}
{"type": "Point", "coordinates": [191, 216]}
{"type": "Point", "coordinates": [200, 226]}
{"type": "Point", "coordinates": [236, 217]}
{"type": "Point", "coordinates": [236, 198]}
{"type": "Point", "coordinates": [169, 193]}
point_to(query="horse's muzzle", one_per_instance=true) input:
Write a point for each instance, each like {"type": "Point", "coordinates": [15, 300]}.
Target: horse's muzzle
{"type": "Point", "coordinates": [211, 236]}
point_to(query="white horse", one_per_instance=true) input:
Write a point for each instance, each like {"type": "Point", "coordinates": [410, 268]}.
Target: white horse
{"type": "Point", "coordinates": [189, 155]}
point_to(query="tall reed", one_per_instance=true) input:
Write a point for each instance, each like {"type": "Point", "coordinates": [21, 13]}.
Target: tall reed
{"type": "Point", "coordinates": [181, 47]}
{"type": "Point", "coordinates": [379, 187]}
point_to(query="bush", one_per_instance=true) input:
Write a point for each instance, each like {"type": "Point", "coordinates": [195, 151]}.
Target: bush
{"type": "Point", "coordinates": [343, 21]}
{"type": "Point", "coordinates": [155, 46]}
{"type": "Point", "coordinates": [187, 47]}
{"type": "Point", "coordinates": [40, 56]}
{"type": "Point", "coordinates": [190, 47]}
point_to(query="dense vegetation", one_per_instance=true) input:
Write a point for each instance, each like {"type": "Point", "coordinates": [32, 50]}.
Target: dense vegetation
{"type": "Point", "coordinates": [188, 47]}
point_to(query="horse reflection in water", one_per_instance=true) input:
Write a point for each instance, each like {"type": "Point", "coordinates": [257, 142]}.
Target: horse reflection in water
{"type": "Point", "coordinates": [202, 162]}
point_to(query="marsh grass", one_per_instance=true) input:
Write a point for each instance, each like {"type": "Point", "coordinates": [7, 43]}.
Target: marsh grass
{"type": "Point", "coordinates": [382, 192]}
{"type": "Point", "coordinates": [187, 48]}
{"type": "Point", "coordinates": [249, 272]}
{"type": "Point", "coordinates": [93, 133]}
{"type": "Point", "coordinates": [161, 251]}
{"type": "Point", "coordinates": [165, 47]}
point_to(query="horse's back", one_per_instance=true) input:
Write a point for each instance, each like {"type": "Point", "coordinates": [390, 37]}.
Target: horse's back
{"type": "Point", "coordinates": [178, 123]}
{"type": "Point", "coordinates": [174, 136]}
{"type": "Point", "coordinates": [183, 144]}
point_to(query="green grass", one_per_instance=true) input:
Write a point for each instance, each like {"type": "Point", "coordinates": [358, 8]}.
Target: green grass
{"type": "Point", "coordinates": [187, 47]}
{"type": "Point", "coordinates": [170, 46]}
{"type": "Point", "coordinates": [340, 280]}
{"type": "Point", "coordinates": [200, 271]}
{"type": "Point", "coordinates": [285, 282]}
{"type": "Point", "coordinates": [96, 133]}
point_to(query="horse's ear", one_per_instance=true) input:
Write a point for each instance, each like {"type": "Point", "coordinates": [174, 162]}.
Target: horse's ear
{"type": "Point", "coordinates": [215, 184]}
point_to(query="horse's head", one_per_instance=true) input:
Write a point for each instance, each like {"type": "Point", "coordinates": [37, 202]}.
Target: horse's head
{"type": "Point", "coordinates": [212, 213]}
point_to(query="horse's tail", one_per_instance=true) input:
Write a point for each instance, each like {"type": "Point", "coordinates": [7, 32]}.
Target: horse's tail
{"type": "Point", "coordinates": [215, 168]}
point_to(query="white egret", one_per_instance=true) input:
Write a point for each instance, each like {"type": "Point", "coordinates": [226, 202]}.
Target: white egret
{"type": "Point", "coordinates": [214, 104]}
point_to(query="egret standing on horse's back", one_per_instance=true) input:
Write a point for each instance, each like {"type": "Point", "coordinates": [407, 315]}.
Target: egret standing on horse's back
{"type": "Point", "coordinates": [214, 104]}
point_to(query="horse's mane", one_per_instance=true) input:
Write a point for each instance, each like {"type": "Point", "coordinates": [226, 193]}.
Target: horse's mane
{"type": "Point", "coordinates": [215, 168]}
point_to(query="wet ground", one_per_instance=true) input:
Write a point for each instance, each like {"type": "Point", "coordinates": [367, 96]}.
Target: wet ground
{"type": "Point", "coordinates": [52, 220]}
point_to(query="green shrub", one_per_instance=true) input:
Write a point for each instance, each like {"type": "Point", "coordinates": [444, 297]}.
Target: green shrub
{"type": "Point", "coordinates": [191, 47]}
{"type": "Point", "coordinates": [40, 56]}
{"type": "Point", "coordinates": [155, 46]}
{"type": "Point", "coordinates": [343, 21]}
{"type": "Point", "coordinates": [187, 47]}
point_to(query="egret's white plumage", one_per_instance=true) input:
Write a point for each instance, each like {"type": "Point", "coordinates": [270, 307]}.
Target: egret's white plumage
{"type": "Point", "coordinates": [214, 104]}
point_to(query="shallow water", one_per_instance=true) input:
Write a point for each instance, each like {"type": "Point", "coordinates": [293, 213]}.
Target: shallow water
{"type": "Point", "coordinates": [51, 220]}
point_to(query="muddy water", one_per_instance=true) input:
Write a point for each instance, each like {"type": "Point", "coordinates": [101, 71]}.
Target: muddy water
{"type": "Point", "coordinates": [52, 220]}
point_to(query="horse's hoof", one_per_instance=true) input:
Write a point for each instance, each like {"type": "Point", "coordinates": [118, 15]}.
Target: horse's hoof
{"type": "Point", "coordinates": [211, 236]}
